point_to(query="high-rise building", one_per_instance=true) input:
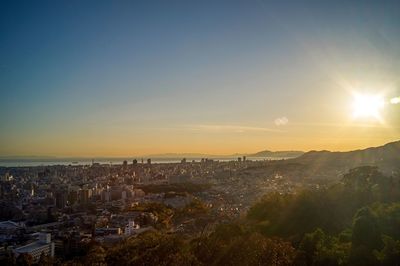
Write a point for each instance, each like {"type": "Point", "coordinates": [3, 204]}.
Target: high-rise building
{"type": "Point", "coordinates": [84, 195]}
{"type": "Point", "coordinates": [61, 199]}
{"type": "Point", "coordinates": [106, 195]}
{"type": "Point", "coordinates": [73, 197]}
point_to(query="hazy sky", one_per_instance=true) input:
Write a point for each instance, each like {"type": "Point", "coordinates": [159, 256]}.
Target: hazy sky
{"type": "Point", "coordinates": [118, 78]}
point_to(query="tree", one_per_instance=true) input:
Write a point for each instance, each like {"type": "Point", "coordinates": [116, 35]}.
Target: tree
{"type": "Point", "coordinates": [318, 248]}
{"type": "Point", "coordinates": [229, 244]}
{"type": "Point", "coordinates": [45, 260]}
{"type": "Point", "coordinates": [152, 248]}
{"type": "Point", "coordinates": [365, 230]}
{"type": "Point", "coordinates": [365, 238]}
{"type": "Point", "coordinates": [363, 177]}
{"type": "Point", "coordinates": [24, 259]}
{"type": "Point", "coordinates": [96, 256]}
{"type": "Point", "coordinates": [390, 254]}
{"type": "Point", "coordinates": [255, 249]}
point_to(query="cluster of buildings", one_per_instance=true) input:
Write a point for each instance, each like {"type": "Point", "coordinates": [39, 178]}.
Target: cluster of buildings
{"type": "Point", "coordinates": [58, 210]}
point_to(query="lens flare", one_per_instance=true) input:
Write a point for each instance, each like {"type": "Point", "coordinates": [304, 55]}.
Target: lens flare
{"type": "Point", "coordinates": [395, 100]}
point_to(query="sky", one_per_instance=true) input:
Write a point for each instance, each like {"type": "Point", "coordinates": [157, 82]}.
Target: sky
{"type": "Point", "coordinates": [124, 78]}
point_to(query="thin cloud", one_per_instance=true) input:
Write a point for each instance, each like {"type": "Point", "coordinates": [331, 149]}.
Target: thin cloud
{"type": "Point", "coordinates": [231, 128]}
{"type": "Point", "coordinates": [281, 121]}
{"type": "Point", "coordinates": [344, 125]}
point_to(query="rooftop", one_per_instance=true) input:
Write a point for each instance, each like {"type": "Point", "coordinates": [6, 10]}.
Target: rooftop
{"type": "Point", "coordinates": [30, 247]}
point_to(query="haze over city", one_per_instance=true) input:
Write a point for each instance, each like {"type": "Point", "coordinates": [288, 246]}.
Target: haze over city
{"type": "Point", "coordinates": [216, 77]}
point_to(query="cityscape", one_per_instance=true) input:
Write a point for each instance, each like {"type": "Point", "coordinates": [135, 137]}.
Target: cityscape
{"type": "Point", "coordinates": [109, 203]}
{"type": "Point", "coordinates": [61, 214]}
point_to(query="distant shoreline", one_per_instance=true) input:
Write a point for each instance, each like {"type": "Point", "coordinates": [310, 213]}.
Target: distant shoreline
{"type": "Point", "coordinates": [116, 161]}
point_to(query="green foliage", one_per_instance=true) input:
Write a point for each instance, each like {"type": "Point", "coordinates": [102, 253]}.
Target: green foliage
{"type": "Point", "coordinates": [358, 211]}
{"type": "Point", "coordinates": [173, 194]}
{"type": "Point", "coordinates": [317, 248]}
{"type": "Point", "coordinates": [194, 209]}
{"type": "Point", "coordinates": [161, 211]}
{"type": "Point", "coordinates": [269, 207]}
{"type": "Point", "coordinates": [390, 254]}
{"type": "Point", "coordinates": [331, 209]}
{"type": "Point", "coordinates": [95, 256]}
{"type": "Point", "coordinates": [289, 215]}
{"type": "Point", "coordinates": [229, 244]}
{"type": "Point", "coordinates": [255, 249]}
{"type": "Point", "coordinates": [345, 236]}
{"type": "Point", "coordinates": [376, 235]}
{"type": "Point", "coordinates": [373, 184]}
{"type": "Point", "coordinates": [151, 248]}
{"type": "Point", "coordinates": [388, 218]}
{"type": "Point", "coordinates": [362, 178]}
{"type": "Point", "coordinates": [365, 230]}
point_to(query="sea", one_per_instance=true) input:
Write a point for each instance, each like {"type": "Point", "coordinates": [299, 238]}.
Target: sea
{"type": "Point", "coordinates": [114, 161]}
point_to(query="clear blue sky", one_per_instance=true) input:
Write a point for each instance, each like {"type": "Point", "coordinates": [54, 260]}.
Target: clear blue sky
{"type": "Point", "coordinates": [134, 77]}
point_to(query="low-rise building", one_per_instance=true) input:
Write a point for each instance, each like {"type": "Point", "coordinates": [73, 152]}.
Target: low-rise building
{"type": "Point", "coordinates": [37, 248]}
{"type": "Point", "coordinates": [131, 228]}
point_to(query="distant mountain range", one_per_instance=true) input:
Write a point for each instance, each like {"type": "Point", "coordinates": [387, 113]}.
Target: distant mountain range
{"type": "Point", "coordinates": [261, 154]}
{"type": "Point", "coordinates": [386, 157]}
{"type": "Point", "coordinates": [281, 154]}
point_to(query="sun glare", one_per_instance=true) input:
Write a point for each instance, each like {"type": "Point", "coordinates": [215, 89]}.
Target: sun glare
{"type": "Point", "coordinates": [367, 106]}
{"type": "Point", "coordinates": [395, 100]}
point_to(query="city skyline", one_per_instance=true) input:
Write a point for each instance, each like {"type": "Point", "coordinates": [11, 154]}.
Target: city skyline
{"type": "Point", "coordinates": [213, 77]}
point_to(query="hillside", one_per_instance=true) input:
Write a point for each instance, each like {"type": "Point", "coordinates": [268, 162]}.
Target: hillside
{"type": "Point", "coordinates": [386, 157]}
{"type": "Point", "coordinates": [281, 154]}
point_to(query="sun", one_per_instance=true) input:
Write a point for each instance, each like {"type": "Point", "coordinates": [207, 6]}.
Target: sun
{"type": "Point", "coordinates": [367, 106]}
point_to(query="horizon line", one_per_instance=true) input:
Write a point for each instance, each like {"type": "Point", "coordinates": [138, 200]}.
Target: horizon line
{"type": "Point", "coordinates": [176, 154]}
